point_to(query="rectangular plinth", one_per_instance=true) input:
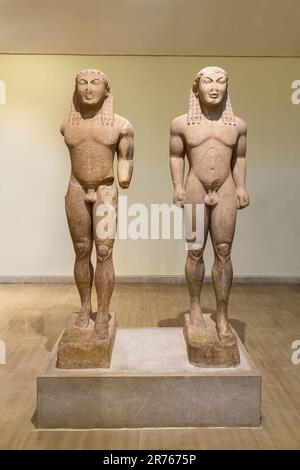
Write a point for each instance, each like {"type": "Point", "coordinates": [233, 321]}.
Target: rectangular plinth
{"type": "Point", "coordinates": [204, 347]}
{"type": "Point", "coordinates": [150, 384]}
{"type": "Point", "coordinates": [80, 348]}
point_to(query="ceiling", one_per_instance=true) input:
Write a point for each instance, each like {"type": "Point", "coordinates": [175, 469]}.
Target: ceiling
{"type": "Point", "coordinates": [151, 27]}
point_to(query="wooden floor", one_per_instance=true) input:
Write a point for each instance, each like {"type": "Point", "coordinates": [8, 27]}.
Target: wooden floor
{"type": "Point", "coordinates": [267, 318]}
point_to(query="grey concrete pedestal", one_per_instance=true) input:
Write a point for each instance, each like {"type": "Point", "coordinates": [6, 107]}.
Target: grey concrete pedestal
{"type": "Point", "coordinates": [150, 384]}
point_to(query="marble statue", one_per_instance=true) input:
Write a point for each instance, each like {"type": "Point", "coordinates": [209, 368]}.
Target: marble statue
{"type": "Point", "coordinates": [93, 134]}
{"type": "Point", "coordinates": [214, 141]}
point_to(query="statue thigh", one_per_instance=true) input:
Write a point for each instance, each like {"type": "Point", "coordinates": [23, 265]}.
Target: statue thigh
{"type": "Point", "coordinates": [195, 194]}
{"type": "Point", "coordinates": [79, 216]}
{"type": "Point", "coordinates": [105, 220]}
{"type": "Point", "coordinates": [223, 219]}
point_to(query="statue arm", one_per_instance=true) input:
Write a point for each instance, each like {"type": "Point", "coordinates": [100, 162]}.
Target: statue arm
{"type": "Point", "coordinates": [239, 165]}
{"type": "Point", "coordinates": [177, 154]}
{"type": "Point", "coordinates": [125, 155]}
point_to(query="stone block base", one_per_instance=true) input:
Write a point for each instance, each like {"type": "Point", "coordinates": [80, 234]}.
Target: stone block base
{"type": "Point", "coordinates": [150, 383]}
{"type": "Point", "coordinates": [79, 348]}
{"type": "Point", "coordinates": [204, 347]}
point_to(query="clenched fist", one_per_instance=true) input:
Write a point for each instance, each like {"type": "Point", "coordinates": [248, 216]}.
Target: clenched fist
{"type": "Point", "coordinates": [179, 197]}
{"type": "Point", "coordinates": [242, 198]}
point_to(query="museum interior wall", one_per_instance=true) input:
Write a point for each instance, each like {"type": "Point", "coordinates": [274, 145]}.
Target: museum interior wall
{"type": "Point", "coordinates": [149, 91]}
{"type": "Point", "coordinates": [133, 27]}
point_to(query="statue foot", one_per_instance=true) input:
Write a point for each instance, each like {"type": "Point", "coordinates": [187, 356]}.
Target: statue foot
{"type": "Point", "coordinates": [101, 328]}
{"type": "Point", "coordinates": [83, 318]}
{"type": "Point", "coordinates": [196, 316]}
{"type": "Point", "coordinates": [224, 331]}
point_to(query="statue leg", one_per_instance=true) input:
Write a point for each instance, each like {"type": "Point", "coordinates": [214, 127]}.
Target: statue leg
{"type": "Point", "coordinates": [79, 215]}
{"type": "Point", "coordinates": [105, 216]}
{"type": "Point", "coordinates": [194, 267]}
{"type": "Point", "coordinates": [223, 218]}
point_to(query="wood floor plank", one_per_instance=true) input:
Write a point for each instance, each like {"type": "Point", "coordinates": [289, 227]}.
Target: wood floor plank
{"type": "Point", "coordinates": [266, 316]}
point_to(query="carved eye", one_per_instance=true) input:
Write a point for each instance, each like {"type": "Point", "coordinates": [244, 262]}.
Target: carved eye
{"type": "Point", "coordinates": [82, 82]}
{"type": "Point", "coordinates": [96, 82]}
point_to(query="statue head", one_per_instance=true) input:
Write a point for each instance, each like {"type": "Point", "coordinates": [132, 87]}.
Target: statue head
{"type": "Point", "coordinates": [210, 88]}
{"type": "Point", "coordinates": [91, 90]}
{"type": "Point", "coordinates": [91, 87]}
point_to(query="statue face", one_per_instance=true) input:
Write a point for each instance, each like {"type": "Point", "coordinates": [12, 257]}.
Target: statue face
{"type": "Point", "coordinates": [91, 89]}
{"type": "Point", "coordinates": [212, 88]}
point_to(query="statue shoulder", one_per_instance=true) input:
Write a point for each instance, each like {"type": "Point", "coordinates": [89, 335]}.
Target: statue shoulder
{"type": "Point", "coordinates": [179, 125]}
{"type": "Point", "coordinates": [241, 126]}
{"type": "Point", "coordinates": [123, 125]}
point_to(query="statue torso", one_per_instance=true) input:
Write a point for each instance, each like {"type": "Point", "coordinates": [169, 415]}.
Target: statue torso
{"type": "Point", "coordinates": [92, 146]}
{"type": "Point", "coordinates": [209, 147]}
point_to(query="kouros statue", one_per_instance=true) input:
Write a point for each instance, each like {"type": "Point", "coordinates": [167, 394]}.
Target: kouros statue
{"type": "Point", "coordinates": [214, 141]}
{"type": "Point", "coordinates": [93, 134]}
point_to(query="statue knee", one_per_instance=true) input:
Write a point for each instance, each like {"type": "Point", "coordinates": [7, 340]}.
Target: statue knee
{"type": "Point", "coordinates": [222, 251]}
{"type": "Point", "coordinates": [196, 255]}
{"type": "Point", "coordinates": [103, 252]}
{"type": "Point", "coordinates": [83, 248]}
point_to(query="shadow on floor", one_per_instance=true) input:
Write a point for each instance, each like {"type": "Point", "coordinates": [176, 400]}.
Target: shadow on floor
{"type": "Point", "coordinates": [173, 322]}
{"type": "Point", "coordinates": [239, 326]}
{"type": "Point", "coordinates": [51, 324]}
{"type": "Point", "coordinates": [34, 419]}
{"type": "Point", "coordinates": [179, 320]}
{"type": "Point", "coordinates": [295, 288]}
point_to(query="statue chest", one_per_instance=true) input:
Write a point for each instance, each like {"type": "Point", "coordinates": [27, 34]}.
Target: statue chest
{"type": "Point", "coordinates": [90, 134]}
{"type": "Point", "coordinates": [205, 133]}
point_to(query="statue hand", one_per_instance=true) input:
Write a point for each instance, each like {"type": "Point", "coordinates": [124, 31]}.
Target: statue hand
{"type": "Point", "coordinates": [179, 197]}
{"type": "Point", "coordinates": [242, 198]}
{"type": "Point", "coordinates": [124, 184]}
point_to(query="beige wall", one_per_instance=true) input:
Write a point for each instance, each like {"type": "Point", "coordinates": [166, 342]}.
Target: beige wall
{"type": "Point", "coordinates": [157, 27]}
{"type": "Point", "coordinates": [149, 91]}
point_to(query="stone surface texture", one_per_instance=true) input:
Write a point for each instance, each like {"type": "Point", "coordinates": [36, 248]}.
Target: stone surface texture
{"type": "Point", "coordinates": [94, 134]}
{"type": "Point", "coordinates": [205, 348]}
{"type": "Point", "coordinates": [150, 383]}
{"type": "Point", "coordinates": [214, 141]}
{"type": "Point", "coordinates": [80, 348]}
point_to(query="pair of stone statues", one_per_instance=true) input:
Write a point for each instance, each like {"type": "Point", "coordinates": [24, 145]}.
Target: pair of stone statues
{"type": "Point", "coordinates": [214, 141]}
